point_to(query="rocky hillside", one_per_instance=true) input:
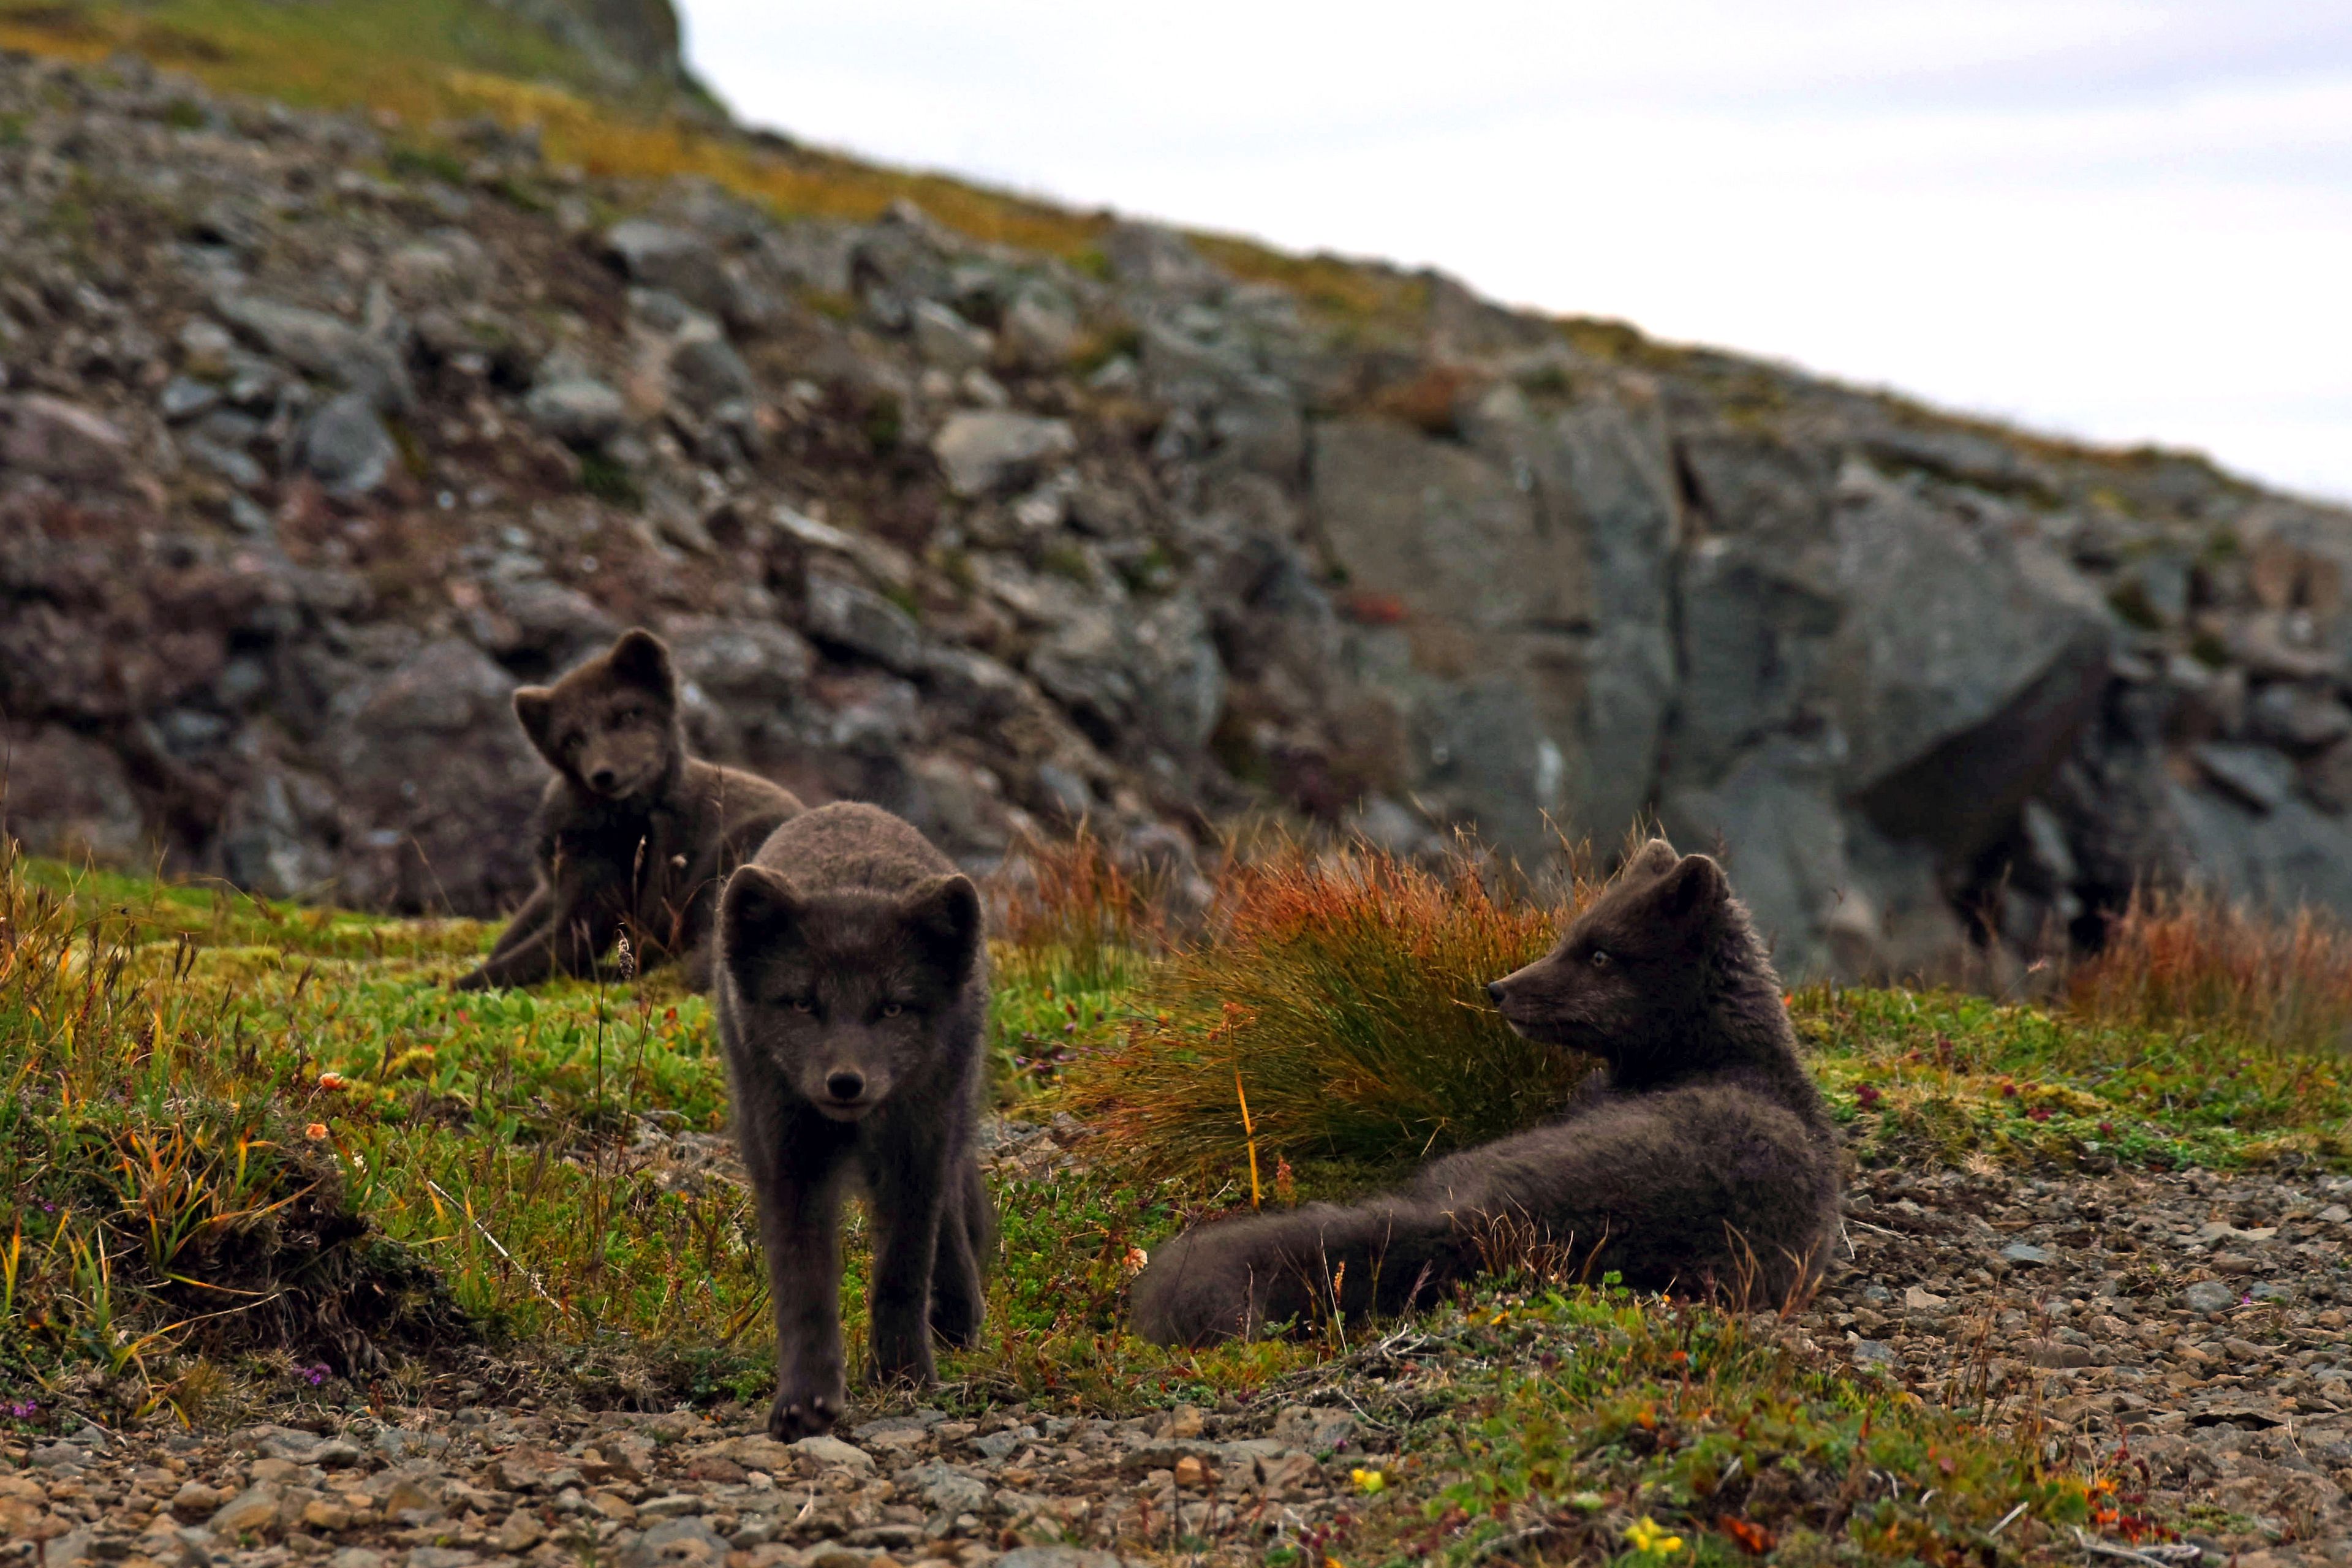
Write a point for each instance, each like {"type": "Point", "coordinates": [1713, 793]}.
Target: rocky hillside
{"type": "Point", "coordinates": [317, 436]}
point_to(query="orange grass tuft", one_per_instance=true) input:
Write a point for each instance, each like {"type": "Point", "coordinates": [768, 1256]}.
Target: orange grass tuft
{"type": "Point", "coordinates": [2196, 959]}
{"type": "Point", "coordinates": [1344, 994]}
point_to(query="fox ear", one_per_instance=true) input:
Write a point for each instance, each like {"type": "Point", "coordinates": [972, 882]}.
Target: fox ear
{"type": "Point", "coordinates": [642, 659]}
{"type": "Point", "coordinates": [1654, 859]}
{"type": "Point", "coordinates": [535, 706]}
{"type": "Point", "coordinates": [1695, 889]}
{"type": "Point", "coordinates": [944, 914]}
{"type": "Point", "coordinates": [759, 913]}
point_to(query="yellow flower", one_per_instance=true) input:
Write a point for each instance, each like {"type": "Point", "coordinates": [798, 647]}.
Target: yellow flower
{"type": "Point", "coordinates": [1369, 1482]}
{"type": "Point", "coordinates": [1646, 1536]}
{"type": "Point", "coordinates": [315, 1132]}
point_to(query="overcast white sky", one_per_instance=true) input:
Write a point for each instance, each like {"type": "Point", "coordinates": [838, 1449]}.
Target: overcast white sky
{"type": "Point", "coordinates": [2124, 220]}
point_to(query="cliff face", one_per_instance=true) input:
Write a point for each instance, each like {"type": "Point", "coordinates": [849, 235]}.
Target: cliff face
{"type": "Point", "coordinates": [313, 444]}
{"type": "Point", "coordinates": [633, 43]}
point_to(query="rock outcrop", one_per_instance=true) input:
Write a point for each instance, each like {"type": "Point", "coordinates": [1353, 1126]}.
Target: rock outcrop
{"type": "Point", "coordinates": [308, 455]}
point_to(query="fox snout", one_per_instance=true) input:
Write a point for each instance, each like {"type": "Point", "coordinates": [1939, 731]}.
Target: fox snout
{"type": "Point", "coordinates": [845, 1091]}
{"type": "Point", "coordinates": [1495, 992]}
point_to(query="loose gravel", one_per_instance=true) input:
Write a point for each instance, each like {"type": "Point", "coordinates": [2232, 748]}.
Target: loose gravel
{"type": "Point", "coordinates": [2195, 1321]}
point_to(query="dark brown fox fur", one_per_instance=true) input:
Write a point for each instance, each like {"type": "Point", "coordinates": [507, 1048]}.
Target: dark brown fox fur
{"type": "Point", "coordinates": [1701, 1161]}
{"type": "Point", "coordinates": [852, 999]}
{"type": "Point", "coordinates": [636, 838]}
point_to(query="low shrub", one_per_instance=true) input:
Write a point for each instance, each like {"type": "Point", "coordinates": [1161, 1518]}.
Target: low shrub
{"type": "Point", "coordinates": [1333, 1012]}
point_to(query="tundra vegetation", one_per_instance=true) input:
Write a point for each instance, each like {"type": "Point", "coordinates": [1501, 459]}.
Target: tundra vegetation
{"type": "Point", "coordinates": [258, 1157]}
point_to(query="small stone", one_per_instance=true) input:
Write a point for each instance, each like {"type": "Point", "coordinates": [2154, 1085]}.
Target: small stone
{"type": "Point", "coordinates": [1184, 1422]}
{"type": "Point", "coordinates": [2025, 1253]}
{"type": "Point", "coordinates": [520, 1532]}
{"type": "Point", "coordinates": [1873, 1352]}
{"type": "Point", "coordinates": [946, 1488]}
{"type": "Point", "coordinates": [346, 447]}
{"type": "Point", "coordinates": [195, 1500]}
{"type": "Point", "coordinates": [578, 409]}
{"type": "Point", "coordinates": [688, 1536]}
{"type": "Point", "coordinates": [1056, 1557]}
{"type": "Point", "coordinates": [1190, 1473]}
{"type": "Point", "coordinates": [250, 1511]}
{"type": "Point", "coordinates": [332, 1517]}
{"type": "Point", "coordinates": [830, 1453]}
{"type": "Point", "coordinates": [1919, 1301]}
{"type": "Point", "coordinates": [1317, 1430]}
{"type": "Point", "coordinates": [715, 1468]}
{"type": "Point", "coordinates": [677, 1505]}
{"type": "Point", "coordinates": [60, 440]}
{"type": "Point", "coordinates": [440, 1557]}
{"type": "Point", "coordinates": [184, 397]}
{"type": "Point", "coordinates": [2266, 1291]}
{"type": "Point", "coordinates": [2210, 1297]}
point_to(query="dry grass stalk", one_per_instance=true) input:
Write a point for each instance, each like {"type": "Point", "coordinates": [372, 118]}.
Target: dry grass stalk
{"type": "Point", "coordinates": [2195, 960]}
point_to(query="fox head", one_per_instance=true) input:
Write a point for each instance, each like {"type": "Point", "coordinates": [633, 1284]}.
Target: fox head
{"type": "Point", "coordinates": [1634, 973]}
{"type": "Point", "coordinates": [611, 726]}
{"type": "Point", "coordinates": [844, 993]}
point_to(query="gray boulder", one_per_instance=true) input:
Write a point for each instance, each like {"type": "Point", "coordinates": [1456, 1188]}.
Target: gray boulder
{"type": "Point", "coordinates": [344, 447]}
{"type": "Point", "coordinates": [860, 621]}
{"type": "Point", "coordinates": [946, 338]}
{"type": "Point", "coordinates": [1152, 679]}
{"type": "Point", "coordinates": [987, 450]}
{"type": "Point", "coordinates": [324, 346]}
{"type": "Point", "coordinates": [65, 795]}
{"type": "Point", "coordinates": [435, 777]}
{"type": "Point", "coordinates": [1953, 719]}
{"type": "Point", "coordinates": [1042, 328]}
{"type": "Point", "coordinates": [579, 410]}
{"type": "Point", "coordinates": [657, 255]}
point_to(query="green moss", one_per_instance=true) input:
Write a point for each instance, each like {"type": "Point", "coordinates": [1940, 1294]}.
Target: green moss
{"type": "Point", "coordinates": [609, 480]}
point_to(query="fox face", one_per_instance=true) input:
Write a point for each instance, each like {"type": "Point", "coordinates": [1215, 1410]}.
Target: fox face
{"type": "Point", "coordinates": [1630, 973]}
{"type": "Point", "coordinates": [846, 994]}
{"type": "Point", "coordinates": [611, 726]}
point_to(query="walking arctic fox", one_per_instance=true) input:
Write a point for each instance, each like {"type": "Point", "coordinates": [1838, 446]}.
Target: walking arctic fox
{"type": "Point", "coordinates": [633, 833]}
{"type": "Point", "coordinates": [852, 991]}
{"type": "Point", "coordinates": [1702, 1160]}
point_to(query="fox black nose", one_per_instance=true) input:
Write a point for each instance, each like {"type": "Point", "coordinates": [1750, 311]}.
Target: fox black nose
{"type": "Point", "coordinates": [845, 1086]}
{"type": "Point", "coordinates": [603, 778]}
{"type": "Point", "coordinates": [1495, 992]}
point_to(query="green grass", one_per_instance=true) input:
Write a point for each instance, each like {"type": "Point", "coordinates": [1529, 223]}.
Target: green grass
{"type": "Point", "coordinates": [210, 1093]}
{"type": "Point", "coordinates": [1557, 1422]}
{"type": "Point", "coordinates": [1937, 1077]}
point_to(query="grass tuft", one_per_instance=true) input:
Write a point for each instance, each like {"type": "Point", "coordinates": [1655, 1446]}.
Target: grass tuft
{"type": "Point", "coordinates": [2194, 960]}
{"type": "Point", "coordinates": [1345, 992]}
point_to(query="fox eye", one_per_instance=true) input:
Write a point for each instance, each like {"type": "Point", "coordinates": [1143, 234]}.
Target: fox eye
{"type": "Point", "coordinates": [1600, 959]}
{"type": "Point", "coordinates": [892, 1009]}
{"type": "Point", "coordinates": [804, 1004]}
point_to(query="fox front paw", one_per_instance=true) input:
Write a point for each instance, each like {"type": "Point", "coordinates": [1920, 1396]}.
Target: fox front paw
{"type": "Point", "coordinates": [802, 1413]}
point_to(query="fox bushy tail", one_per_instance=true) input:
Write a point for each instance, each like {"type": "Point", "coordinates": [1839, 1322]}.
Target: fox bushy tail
{"type": "Point", "coordinates": [1304, 1267]}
